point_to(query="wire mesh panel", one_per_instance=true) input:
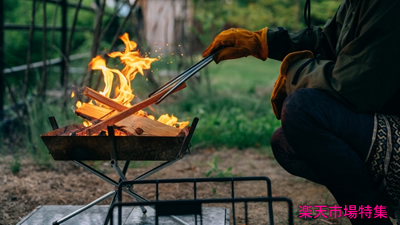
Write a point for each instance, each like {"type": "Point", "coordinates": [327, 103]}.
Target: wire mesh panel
{"type": "Point", "coordinates": [233, 208]}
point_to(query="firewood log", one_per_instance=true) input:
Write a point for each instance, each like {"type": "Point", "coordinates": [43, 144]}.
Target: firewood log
{"type": "Point", "coordinates": [133, 124]}
{"type": "Point", "coordinates": [127, 112]}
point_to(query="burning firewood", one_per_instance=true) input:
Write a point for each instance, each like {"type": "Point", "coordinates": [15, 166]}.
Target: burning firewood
{"type": "Point", "coordinates": [125, 113]}
{"type": "Point", "coordinates": [125, 120]}
{"type": "Point", "coordinates": [131, 125]}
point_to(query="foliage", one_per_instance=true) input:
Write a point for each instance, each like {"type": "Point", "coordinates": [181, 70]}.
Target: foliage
{"type": "Point", "coordinates": [215, 171]}
{"type": "Point", "coordinates": [15, 165]}
{"type": "Point", "coordinates": [213, 16]}
{"type": "Point", "coordinates": [17, 41]}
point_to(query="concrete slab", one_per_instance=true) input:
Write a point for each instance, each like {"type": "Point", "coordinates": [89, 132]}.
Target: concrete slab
{"type": "Point", "coordinates": [130, 216]}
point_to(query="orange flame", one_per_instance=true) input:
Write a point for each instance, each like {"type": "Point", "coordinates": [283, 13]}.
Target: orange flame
{"type": "Point", "coordinates": [134, 64]}
{"type": "Point", "coordinates": [172, 121]}
{"type": "Point", "coordinates": [124, 94]}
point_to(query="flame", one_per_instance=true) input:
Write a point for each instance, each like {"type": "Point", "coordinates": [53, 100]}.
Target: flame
{"type": "Point", "coordinates": [123, 92]}
{"type": "Point", "coordinates": [78, 104]}
{"type": "Point", "coordinates": [172, 121]}
{"type": "Point", "coordinates": [72, 94]}
{"type": "Point", "coordinates": [87, 123]}
{"type": "Point", "coordinates": [134, 63]}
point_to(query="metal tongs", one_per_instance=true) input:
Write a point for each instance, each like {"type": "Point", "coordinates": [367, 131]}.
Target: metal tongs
{"type": "Point", "coordinates": [181, 78]}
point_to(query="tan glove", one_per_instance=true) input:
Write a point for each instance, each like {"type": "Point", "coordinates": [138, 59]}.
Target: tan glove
{"type": "Point", "coordinates": [279, 94]}
{"type": "Point", "coordinates": [237, 43]}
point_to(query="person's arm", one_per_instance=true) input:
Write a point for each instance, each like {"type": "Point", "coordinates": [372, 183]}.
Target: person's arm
{"type": "Point", "coordinates": [366, 71]}
{"type": "Point", "coordinates": [281, 43]}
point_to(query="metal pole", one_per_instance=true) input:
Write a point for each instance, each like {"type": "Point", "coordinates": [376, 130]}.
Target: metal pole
{"type": "Point", "coordinates": [2, 87]}
{"type": "Point", "coordinates": [63, 39]}
{"type": "Point", "coordinates": [95, 202]}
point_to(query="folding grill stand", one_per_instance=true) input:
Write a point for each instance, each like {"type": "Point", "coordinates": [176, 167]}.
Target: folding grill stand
{"type": "Point", "coordinates": [121, 173]}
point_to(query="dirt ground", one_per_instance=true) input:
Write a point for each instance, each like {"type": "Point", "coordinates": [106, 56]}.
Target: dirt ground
{"type": "Point", "coordinates": [67, 184]}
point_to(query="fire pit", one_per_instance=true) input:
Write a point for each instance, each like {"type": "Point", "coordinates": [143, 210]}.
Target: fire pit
{"type": "Point", "coordinates": [114, 148]}
{"type": "Point", "coordinates": [128, 147]}
{"type": "Point", "coordinates": [116, 130]}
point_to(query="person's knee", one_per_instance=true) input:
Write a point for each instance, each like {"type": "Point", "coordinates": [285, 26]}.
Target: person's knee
{"type": "Point", "coordinates": [280, 147]}
{"type": "Point", "coordinates": [299, 103]}
{"type": "Point", "coordinates": [300, 112]}
{"type": "Point", "coordinates": [276, 140]}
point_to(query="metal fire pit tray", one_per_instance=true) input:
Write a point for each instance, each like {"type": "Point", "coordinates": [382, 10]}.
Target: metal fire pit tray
{"type": "Point", "coordinates": [147, 148]}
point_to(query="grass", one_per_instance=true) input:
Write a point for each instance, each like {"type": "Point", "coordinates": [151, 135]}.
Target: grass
{"type": "Point", "coordinates": [37, 123]}
{"type": "Point", "coordinates": [236, 112]}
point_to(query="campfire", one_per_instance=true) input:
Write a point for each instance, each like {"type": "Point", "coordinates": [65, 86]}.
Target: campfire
{"type": "Point", "coordinates": [135, 133]}
{"type": "Point", "coordinates": [129, 120]}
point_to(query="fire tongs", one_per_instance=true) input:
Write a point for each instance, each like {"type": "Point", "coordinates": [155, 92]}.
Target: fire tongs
{"type": "Point", "coordinates": [181, 78]}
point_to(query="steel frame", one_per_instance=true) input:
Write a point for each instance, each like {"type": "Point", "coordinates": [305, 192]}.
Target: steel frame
{"type": "Point", "coordinates": [121, 173]}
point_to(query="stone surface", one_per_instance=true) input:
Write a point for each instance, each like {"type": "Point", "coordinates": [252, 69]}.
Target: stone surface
{"type": "Point", "coordinates": [130, 216]}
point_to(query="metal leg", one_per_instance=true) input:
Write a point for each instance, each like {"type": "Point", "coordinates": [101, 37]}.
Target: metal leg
{"type": "Point", "coordinates": [126, 165]}
{"type": "Point", "coordinates": [155, 169]}
{"type": "Point", "coordinates": [136, 196]}
{"type": "Point", "coordinates": [118, 170]}
{"type": "Point", "coordinates": [95, 172]}
{"type": "Point", "coordinates": [95, 202]}
{"type": "Point", "coordinates": [109, 209]}
{"type": "Point", "coordinates": [109, 180]}
{"type": "Point", "coordinates": [114, 161]}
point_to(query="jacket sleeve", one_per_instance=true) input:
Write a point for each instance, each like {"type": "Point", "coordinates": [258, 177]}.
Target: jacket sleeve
{"type": "Point", "coordinates": [281, 42]}
{"type": "Point", "coordinates": [365, 73]}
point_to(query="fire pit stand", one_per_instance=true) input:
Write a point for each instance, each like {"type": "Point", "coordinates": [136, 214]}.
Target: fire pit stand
{"type": "Point", "coordinates": [114, 142]}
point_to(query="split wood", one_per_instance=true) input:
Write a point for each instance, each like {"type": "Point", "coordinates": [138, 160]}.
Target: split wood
{"type": "Point", "coordinates": [125, 113]}
{"type": "Point", "coordinates": [132, 125]}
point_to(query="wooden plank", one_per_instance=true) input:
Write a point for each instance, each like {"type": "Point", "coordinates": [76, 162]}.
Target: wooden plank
{"type": "Point", "coordinates": [90, 112]}
{"type": "Point", "coordinates": [103, 99]}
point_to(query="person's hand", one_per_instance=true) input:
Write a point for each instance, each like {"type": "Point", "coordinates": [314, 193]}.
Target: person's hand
{"type": "Point", "coordinates": [236, 43]}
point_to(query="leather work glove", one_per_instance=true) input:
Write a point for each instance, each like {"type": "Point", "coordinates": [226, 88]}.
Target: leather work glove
{"type": "Point", "coordinates": [236, 43]}
{"type": "Point", "coordinates": [279, 93]}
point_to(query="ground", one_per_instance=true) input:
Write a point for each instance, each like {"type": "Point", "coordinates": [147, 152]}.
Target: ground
{"type": "Point", "coordinates": [66, 184]}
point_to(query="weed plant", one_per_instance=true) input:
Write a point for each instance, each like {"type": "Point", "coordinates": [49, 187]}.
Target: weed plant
{"type": "Point", "coordinates": [215, 171]}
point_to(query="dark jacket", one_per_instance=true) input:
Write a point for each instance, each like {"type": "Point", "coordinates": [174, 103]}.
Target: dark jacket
{"type": "Point", "coordinates": [357, 55]}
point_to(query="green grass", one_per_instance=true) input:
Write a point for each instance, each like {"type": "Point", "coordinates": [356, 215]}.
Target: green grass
{"type": "Point", "coordinates": [236, 112]}
{"type": "Point", "coordinates": [240, 75]}
{"type": "Point", "coordinates": [39, 112]}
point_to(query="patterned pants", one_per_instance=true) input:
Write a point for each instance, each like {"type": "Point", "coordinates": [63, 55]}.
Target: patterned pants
{"type": "Point", "coordinates": [324, 141]}
{"type": "Point", "coordinates": [384, 160]}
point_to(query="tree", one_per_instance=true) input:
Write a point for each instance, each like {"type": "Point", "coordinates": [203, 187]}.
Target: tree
{"type": "Point", "coordinates": [213, 16]}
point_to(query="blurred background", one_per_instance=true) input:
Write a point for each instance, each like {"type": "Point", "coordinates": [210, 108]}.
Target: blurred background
{"type": "Point", "coordinates": [46, 45]}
